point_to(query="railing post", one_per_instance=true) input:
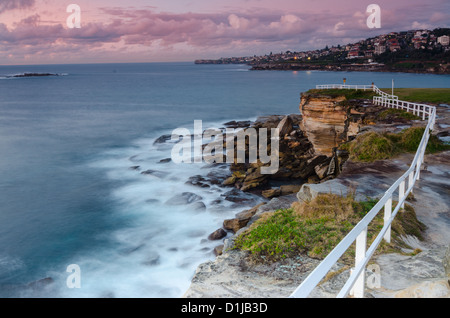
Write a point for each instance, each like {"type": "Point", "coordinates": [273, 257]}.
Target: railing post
{"type": "Point", "coordinates": [387, 216]}
{"type": "Point", "coordinates": [418, 165]}
{"type": "Point", "coordinates": [401, 193]}
{"type": "Point", "coordinates": [362, 255]}
{"type": "Point", "coordinates": [361, 242]}
{"type": "Point", "coordinates": [411, 180]}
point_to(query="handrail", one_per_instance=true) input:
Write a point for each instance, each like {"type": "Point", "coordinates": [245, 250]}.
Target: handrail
{"type": "Point", "coordinates": [356, 281]}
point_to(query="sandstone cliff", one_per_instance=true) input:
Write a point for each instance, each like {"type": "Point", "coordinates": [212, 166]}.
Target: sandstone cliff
{"type": "Point", "coordinates": [327, 121]}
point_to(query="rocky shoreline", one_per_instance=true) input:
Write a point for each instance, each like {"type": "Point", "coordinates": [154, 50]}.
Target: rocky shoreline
{"type": "Point", "coordinates": [375, 67]}
{"type": "Point", "coordinates": [323, 169]}
{"type": "Point", "coordinates": [308, 152]}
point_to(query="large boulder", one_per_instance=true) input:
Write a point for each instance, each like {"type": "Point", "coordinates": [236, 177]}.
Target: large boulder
{"type": "Point", "coordinates": [235, 224]}
{"type": "Point", "coordinates": [271, 193]}
{"type": "Point", "coordinates": [217, 234]}
{"type": "Point", "coordinates": [285, 126]}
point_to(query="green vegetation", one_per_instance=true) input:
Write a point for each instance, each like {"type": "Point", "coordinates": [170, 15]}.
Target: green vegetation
{"type": "Point", "coordinates": [316, 227]}
{"type": "Point", "coordinates": [373, 146]}
{"type": "Point", "coordinates": [422, 95]}
{"type": "Point", "coordinates": [397, 113]}
{"type": "Point", "coordinates": [348, 93]}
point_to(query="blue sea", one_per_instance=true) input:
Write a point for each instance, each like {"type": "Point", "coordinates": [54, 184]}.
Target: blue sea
{"type": "Point", "coordinates": [72, 152]}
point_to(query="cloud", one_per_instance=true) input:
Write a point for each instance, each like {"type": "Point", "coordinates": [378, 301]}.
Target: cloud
{"type": "Point", "coordinates": [127, 30]}
{"type": "Point", "coordinates": [6, 5]}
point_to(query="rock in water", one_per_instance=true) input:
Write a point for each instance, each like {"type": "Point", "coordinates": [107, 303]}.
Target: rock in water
{"type": "Point", "coordinates": [217, 234]}
{"type": "Point", "coordinates": [184, 198]}
{"type": "Point", "coordinates": [235, 224]}
{"type": "Point", "coordinates": [162, 139]}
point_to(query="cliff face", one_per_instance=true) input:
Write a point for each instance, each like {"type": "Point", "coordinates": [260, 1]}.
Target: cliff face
{"type": "Point", "coordinates": [327, 121]}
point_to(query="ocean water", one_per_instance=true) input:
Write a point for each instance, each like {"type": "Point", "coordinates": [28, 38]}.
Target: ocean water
{"type": "Point", "coordinates": [70, 189]}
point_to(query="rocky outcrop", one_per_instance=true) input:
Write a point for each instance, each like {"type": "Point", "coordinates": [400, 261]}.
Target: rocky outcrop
{"type": "Point", "coordinates": [327, 121]}
{"type": "Point", "coordinates": [402, 276]}
{"type": "Point", "coordinates": [296, 156]}
{"type": "Point", "coordinates": [425, 274]}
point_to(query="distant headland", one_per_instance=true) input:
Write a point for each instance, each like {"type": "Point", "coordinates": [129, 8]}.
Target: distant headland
{"type": "Point", "coordinates": [413, 51]}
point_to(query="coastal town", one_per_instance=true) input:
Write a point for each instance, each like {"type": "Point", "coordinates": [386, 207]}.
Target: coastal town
{"type": "Point", "coordinates": [423, 51]}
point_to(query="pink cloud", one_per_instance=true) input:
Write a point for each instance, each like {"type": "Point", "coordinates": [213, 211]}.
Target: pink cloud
{"type": "Point", "coordinates": [6, 5]}
{"type": "Point", "coordinates": [222, 32]}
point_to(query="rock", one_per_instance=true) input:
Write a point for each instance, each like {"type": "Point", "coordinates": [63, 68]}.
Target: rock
{"type": "Point", "coordinates": [229, 181]}
{"type": "Point", "coordinates": [235, 224]}
{"type": "Point", "coordinates": [446, 263]}
{"type": "Point", "coordinates": [162, 139]}
{"type": "Point", "coordinates": [135, 167]}
{"type": "Point", "coordinates": [184, 198]}
{"type": "Point", "coordinates": [308, 168]}
{"type": "Point", "coordinates": [253, 180]}
{"type": "Point", "coordinates": [33, 75]}
{"type": "Point", "coordinates": [230, 276]}
{"type": "Point", "coordinates": [428, 289]}
{"type": "Point", "coordinates": [198, 181]}
{"type": "Point", "coordinates": [290, 188]}
{"type": "Point", "coordinates": [285, 126]}
{"type": "Point", "coordinates": [324, 121]}
{"type": "Point", "coordinates": [39, 284]}
{"type": "Point", "coordinates": [166, 160]}
{"type": "Point", "coordinates": [198, 206]}
{"type": "Point", "coordinates": [217, 176]}
{"type": "Point", "coordinates": [322, 170]}
{"type": "Point", "coordinates": [309, 191]}
{"type": "Point", "coordinates": [238, 124]}
{"type": "Point", "coordinates": [271, 193]}
{"type": "Point", "coordinates": [154, 173]}
{"type": "Point", "coordinates": [218, 250]}
{"type": "Point", "coordinates": [239, 174]}
{"type": "Point", "coordinates": [217, 234]}
{"type": "Point", "coordinates": [313, 179]}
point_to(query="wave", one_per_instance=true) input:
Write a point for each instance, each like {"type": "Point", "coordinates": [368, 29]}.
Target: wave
{"type": "Point", "coordinates": [166, 212]}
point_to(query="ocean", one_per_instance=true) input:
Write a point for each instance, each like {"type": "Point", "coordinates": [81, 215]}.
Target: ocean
{"type": "Point", "coordinates": [83, 182]}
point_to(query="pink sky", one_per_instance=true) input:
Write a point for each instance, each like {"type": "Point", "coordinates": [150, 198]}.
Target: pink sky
{"type": "Point", "coordinates": [35, 31]}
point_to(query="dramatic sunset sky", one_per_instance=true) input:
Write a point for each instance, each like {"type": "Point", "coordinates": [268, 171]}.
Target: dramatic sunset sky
{"type": "Point", "coordinates": [35, 31]}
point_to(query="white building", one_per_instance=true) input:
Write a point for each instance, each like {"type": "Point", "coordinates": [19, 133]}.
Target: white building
{"type": "Point", "coordinates": [380, 49]}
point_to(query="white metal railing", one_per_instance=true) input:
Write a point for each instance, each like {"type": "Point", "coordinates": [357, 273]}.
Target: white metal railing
{"type": "Point", "coordinates": [401, 188]}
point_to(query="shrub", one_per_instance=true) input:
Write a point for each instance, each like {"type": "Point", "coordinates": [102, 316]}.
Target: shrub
{"type": "Point", "coordinates": [370, 146]}
{"type": "Point", "coordinates": [373, 146]}
{"type": "Point", "coordinates": [316, 227]}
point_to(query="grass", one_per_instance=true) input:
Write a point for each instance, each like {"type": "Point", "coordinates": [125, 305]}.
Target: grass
{"type": "Point", "coordinates": [422, 95]}
{"type": "Point", "coordinates": [416, 95]}
{"type": "Point", "coordinates": [373, 146]}
{"type": "Point", "coordinates": [397, 113]}
{"type": "Point", "coordinates": [348, 93]}
{"type": "Point", "coordinates": [316, 227]}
